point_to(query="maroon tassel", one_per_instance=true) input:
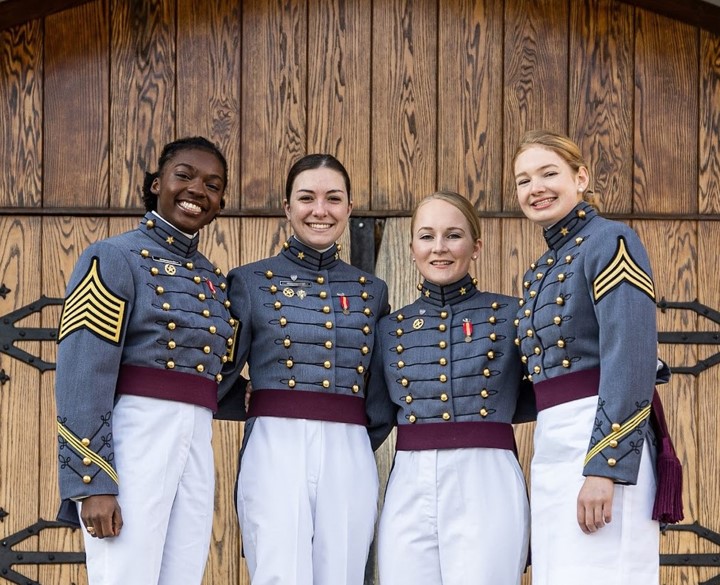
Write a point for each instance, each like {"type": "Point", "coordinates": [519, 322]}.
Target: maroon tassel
{"type": "Point", "coordinates": [668, 507]}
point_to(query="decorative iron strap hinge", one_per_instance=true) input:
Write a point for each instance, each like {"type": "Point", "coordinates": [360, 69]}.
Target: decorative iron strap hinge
{"type": "Point", "coordinates": [10, 557]}
{"type": "Point", "coordinates": [698, 559]}
{"type": "Point", "coordinates": [692, 337]}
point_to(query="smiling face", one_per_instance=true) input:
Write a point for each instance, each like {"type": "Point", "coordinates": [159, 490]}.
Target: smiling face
{"type": "Point", "coordinates": [189, 189]}
{"type": "Point", "coordinates": [547, 187]}
{"type": "Point", "coordinates": [442, 242]}
{"type": "Point", "coordinates": [319, 208]}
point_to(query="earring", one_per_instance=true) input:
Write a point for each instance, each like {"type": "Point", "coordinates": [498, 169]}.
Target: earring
{"type": "Point", "coordinates": [580, 190]}
{"type": "Point", "coordinates": [474, 257]}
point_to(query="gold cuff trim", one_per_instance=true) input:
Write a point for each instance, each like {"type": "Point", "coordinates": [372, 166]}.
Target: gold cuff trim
{"type": "Point", "coordinates": [624, 430]}
{"type": "Point", "coordinates": [83, 451]}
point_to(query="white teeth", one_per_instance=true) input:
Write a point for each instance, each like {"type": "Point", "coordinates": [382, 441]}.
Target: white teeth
{"type": "Point", "coordinates": [319, 226]}
{"type": "Point", "coordinates": [191, 207]}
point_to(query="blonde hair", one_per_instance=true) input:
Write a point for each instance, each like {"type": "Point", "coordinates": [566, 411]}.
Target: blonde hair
{"type": "Point", "coordinates": [564, 147]}
{"type": "Point", "coordinates": [457, 201]}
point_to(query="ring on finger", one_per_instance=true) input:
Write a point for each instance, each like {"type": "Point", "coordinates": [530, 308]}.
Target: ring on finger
{"type": "Point", "coordinates": [90, 529]}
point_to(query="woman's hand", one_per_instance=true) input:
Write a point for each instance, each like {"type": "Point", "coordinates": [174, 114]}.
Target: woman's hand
{"type": "Point", "coordinates": [101, 516]}
{"type": "Point", "coordinates": [248, 392]}
{"type": "Point", "coordinates": [594, 503]}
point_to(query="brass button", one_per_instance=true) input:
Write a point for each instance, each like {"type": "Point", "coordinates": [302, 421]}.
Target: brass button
{"type": "Point", "coordinates": [328, 344]}
{"type": "Point", "coordinates": [212, 329]}
{"type": "Point", "coordinates": [159, 290]}
{"type": "Point", "coordinates": [323, 294]}
{"type": "Point", "coordinates": [200, 368]}
{"type": "Point", "coordinates": [365, 350]}
{"type": "Point", "coordinates": [171, 326]}
{"type": "Point", "coordinates": [560, 301]}
{"type": "Point", "coordinates": [560, 343]}
{"type": "Point", "coordinates": [444, 397]}
{"type": "Point", "coordinates": [517, 341]}
{"type": "Point", "coordinates": [581, 213]}
{"type": "Point", "coordinates": [486, 372]}
{"type": "Point", "coordinates": [612, 462]}
{"type": "Point", "coordinates": [362, 280]}
{"type": "Point", "coordinates": [537, 350]}
{"type": "Point", "coordinates": [287, 342]}
{"type": "Point", "coordinates": [530, 333]}
{"type": "Point", "coordinates": [549, 261]}
{"type": "Point", "coordinates": [367, 312]}
{"type": "Point", "coordinates": [493, 337]}
{"type": "Point", "coordinates": [561, 277]}
{"type": "Point", "coordinates": [442, 327]}
{"type": "Point", "coordinates": [326, 383]}
{"type": "Point", "coordinates": [399, 332]}
{"type": "Point", "coordinates": [154, 271]}
{"type": "Point", "coordinates": [557, 320]}
{"type": "Point", "coordinates": [616, 427]}
{"type": "Point", "coordinates": [536, 369]}
{"type": "Point", "coordinates": [399, 317]}
{"type": "Point", "coordinates": [268, 274]}
{"type": "Point", "coordinates": [326, 309]}
{"type": "Point", "coordinates": [170, 365]}
{"type": "Point", "coordinates": [613, 444]}
{"type": "Point", "coordinates": [366, 330]}
{"type": "Point", "coordinates": [273, 289]}
{"type": "Point", "coordinates": [528, 312]}
{"type": "Point", "coordinates": [218, 378]}
{"type": "Point", "coordinates": [566, 363]}
{"type": "Point", "coordinates": [578, 241]}
{"type": "Point", "coordinates": [355, 388]}
{"type": "Point", "coordinates": [443, 361]}
{"type": "Point", "coordinates": [401, 364]}
{"type": "Point", "coordinates": [277, 305]}
{"type": "Point", "coordinates": [207, 349]}
{"type": "Point", "coordinates": [399, 349]}
{"type": "Point", "coordinates": [539, 275]}
{"type": "Point", "coordinates": [289, 363]}
{"type": "Point", "coordinates": [408, 399]}
{"type": "Point", "coordinates": [87, 479]}
{"type": "Point", "coordinates": [568, 259]}
{"type": "Point", "coordinates": [484, 393]}
{"type": "Point", "coordinates": [492, 320]}
{"type": "Point", "coordinates": [443, 314]}
{"type": "Point", "coordinates": [327, 365]}
{"type": "Point", "coordinates": [197, 279]}
{"type": "Point", "coordinates": [171, 344]}
{"type": "Point", "coordinates": [166, 306]}
{"type": "Point", "coordinates": [533, 293]}
{"type": "Point", "coordinates": [320, 280]}
{"type": "Point", "coordinates": [524, 359]}
{"type": "Point", "coordinates": [405, 382]}
{"type": "Point", "coordinates": [521, 302]}
{"type": "Point", "coordinates": [226, 304]}
{"type": "Point", "coordinates": [291, 383]}
{"type": "Point", "coordinates": [516, 322]}
{"type": "Point", "coordinates": [483, 412]}
{"type": "Point", "coordinates": [446, 416]}
{"type": "Point", "coordinates": [364, 296]}
{"type": "Point", "coordinates": [412, 418]}
{"type": "Point", "coordinates": [526, 284]}
{"type": "Point", "coordinates": [202, 296]}
{"type": "Point", "coordinates": [87, 461]}
{"type": "Point", "coordinates": [443, 378]}
{"type": "Point", "coordinates": [442, 344]}
{"type": "Point", "coordinates": [533, 266]}
{"type": "Point", "coordinates": [360, 369]}
{"type": "Point", "coordinates": [491, 355]}
{"type": "Point", "coordinates": [232, 322]}
{"type": "Point", "coordinates": [206, 313]}
{"type": "Point", "coordinates": [495, 306]}
{"type": "Point", "coordinates": [224, 359]}
{"type": "Point", "coordinates": [144, 253]}
{"type": "Point", "coordinates": [282, 321]}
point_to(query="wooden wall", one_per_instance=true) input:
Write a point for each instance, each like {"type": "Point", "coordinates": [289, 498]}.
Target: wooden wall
{"type": "Point", "coordinates": [412, 95]}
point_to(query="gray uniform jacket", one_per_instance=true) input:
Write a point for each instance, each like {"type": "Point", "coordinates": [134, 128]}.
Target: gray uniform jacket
{"type": "Point", "coordinates": [589, 304]}
{"type": "Point", "coordinates": [307, 331]}
{"type": "Point", "coordinates": [444, 361]}
{"type": "Point", "coordinates": [145, 314]}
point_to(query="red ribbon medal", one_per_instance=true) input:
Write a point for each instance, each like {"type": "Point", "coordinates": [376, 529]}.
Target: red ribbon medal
{"type": "Point", "coordinates": [467, 329]}
{"type": "Point", "coordinates": [345, 304]}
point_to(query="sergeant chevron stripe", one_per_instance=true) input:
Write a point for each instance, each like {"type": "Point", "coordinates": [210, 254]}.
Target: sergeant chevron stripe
{"type": "Point", "coordinates": [83, 451]}
{"type": "Point", "coordinates": [622, 268]}
{"type": "Point", "coordinates": [92, 306]}
{"type": "Point", "coordinates": [619, 434]}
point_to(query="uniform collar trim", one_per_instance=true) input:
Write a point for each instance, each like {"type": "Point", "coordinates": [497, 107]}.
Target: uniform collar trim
{"type": "Point", "coordinates": [303, 255]}
{"type": "Point", "coordinates": [569, 226]}
{"type": "Point", "coordinates": [450, 294]}
{"type": "Point", "coordinates": [168, 236]}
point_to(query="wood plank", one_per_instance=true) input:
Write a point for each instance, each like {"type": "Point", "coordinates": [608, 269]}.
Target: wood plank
{"type": "Point", "coordinates": [142, 97]}
{"type": "Point", "coordinates": [666, 115]}
{"type": "Point", "coordinates": [404, 98]}
{"type": "Point", "coordinates": [600, 101]}
{"type": "Point", "coordinates": [339, 88]}
{"type": "Point", "coordinates": [21, 132]}
{"type": "Point", "coordinates": [672, 247]}
{"type": "Point", "coordinates": [708, 384]}
{"type": "Point", "coordinates": [709, 129]}
{"type": "Point", "coordinates": [64, 239]}
{"type": "Point", "coordinates": [274, 59]}
{"type": "Point", "coordinates": [208, 74]}
{"type": "Point", "coordinates": [470, 100]}
{"type": "Point", "coordinates": [76, 107]}
{"type": "Point", "coordinates": [20, 396]}
{"type": "Point", "coordinates": [535, 76]}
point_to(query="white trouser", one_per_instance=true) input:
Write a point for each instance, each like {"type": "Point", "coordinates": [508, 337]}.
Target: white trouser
{"type": "Point", "coordinates": [624, 551]}
{"type": "Point", "coordinates": [164, 460]}
{"type": "Point", "coordinates": [453, 517]}
{"type": "Point", "coordinates": [307, 502]}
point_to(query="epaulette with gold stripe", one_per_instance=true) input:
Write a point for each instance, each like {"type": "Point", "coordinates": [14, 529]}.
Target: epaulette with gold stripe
{"type": "Point", "coordinates": [94, 307]}
{"type": "Point", "coordinates": [622, 268]}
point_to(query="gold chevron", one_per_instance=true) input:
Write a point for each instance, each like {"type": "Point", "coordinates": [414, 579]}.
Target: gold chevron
{"type": "Point", "coordinates": [92, 306]}
{"type": "Point", "coordinates": [84, 452]}
{"type": "Point", "coordinates": [624, 430]}
{"type": "Point", "coordinates": [622, 268]}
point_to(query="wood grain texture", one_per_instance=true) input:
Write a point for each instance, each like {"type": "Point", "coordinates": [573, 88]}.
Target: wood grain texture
{"type": "Point", "coordinates": [672, 247]}
{"type": "Point", "coordinates": [208, 71]}
{"type": "Point", "coordinates": [404, 98]}
{"type": "Point", "coordinates": [666, 115]}
{"type": "Point", "coordinates": [142, 96]}
{"type": "Point", "coordinates": [64, 239]}
{"type": "Point", "coordinates": [535, 61]}
{"type": "Point", "coordinates": [601, 93]}
{"type": "Point", "coordinates": [273, 76]}
{"type": "Point", "coordinates": [708, 388]}
{"type": "Point", "coordinates": [20, 396]}
{"type": "Point", "coordinates": [338, 106]}
{"type": "Point", "coordinates": [709, 127]}
{"type": "Point", "coordinates": [76, 105]}
{"type": "Point", "coordinates": [21, 87]}
{"type": "Point", "coordinates": [470, 100]}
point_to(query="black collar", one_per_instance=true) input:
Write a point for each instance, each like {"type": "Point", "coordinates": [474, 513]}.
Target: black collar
{"type": "Point", "coordinates": [569, 226]}
{"type": "Point", "coordinates": [299, 253]}
{"type": "Point", "coordinates": [450, 294]}
{"type": "Point", "coordinates": [168, 236]}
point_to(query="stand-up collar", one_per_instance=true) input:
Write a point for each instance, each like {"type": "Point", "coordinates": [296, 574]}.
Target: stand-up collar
{"type": "Point", "coordinates": [569, 226]}
{"type": "Point", "coordinates": [303, 255]}
{"type": "Point", "coordinates": [450, 294]}
{"type": "Point", "coordinates": [168, 236]}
